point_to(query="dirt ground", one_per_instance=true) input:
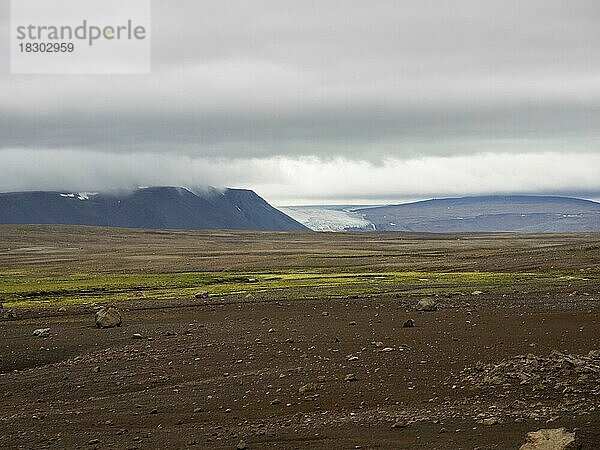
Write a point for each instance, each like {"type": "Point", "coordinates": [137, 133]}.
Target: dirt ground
{"type": "Point", "coordinates": [312, 373]}
{"type": "Point", "coordinates": [212, 375]}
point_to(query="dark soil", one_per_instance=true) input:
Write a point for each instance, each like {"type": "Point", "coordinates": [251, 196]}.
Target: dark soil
{"type": "Point", "coordinates": [272, 372]}
{"type": "Point", "coordinates": [211, 375]}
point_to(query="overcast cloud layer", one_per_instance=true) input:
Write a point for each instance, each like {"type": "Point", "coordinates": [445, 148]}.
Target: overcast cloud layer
{"type": "Point", "coordinates": [310, 101]}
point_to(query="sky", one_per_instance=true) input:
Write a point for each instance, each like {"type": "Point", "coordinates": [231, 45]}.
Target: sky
{"type": "Point", "coordinates": [311, 102]}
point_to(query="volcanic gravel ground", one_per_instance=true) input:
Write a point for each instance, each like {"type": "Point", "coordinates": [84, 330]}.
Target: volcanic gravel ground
{"type": "Point", "coordinates": [304, 374]}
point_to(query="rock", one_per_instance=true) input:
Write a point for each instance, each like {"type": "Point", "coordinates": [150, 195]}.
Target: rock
{"type": "Point", "coordinates": [350, 377]}
{"type": "Point", "coordinates": [400, 424]}
{"type": "Point", "coordinates": [154, 411]}
{"type": "Point", "coordinates": [94, 442]}
{"type": "Point", "coordinates": [42, 332]}
{"type": "Point", "coordinates": [490, 421]}
{"type": "Point", "coordinates": [409, 324]}
{"type": "Point", "coordinates": [271, 330]}
{"type": "Point", "coordinates": [386, 350]}
{"type": "Point", "coordinates": [242, 445]}
{"type": "Point", "coordinates": [137, 336]}
{"type": "Point", "coordinates": [201, 294]}
{"type": "Point", "coordinates": [309, 387]}
{"type": "Point", "coordinates": [324, 313]}
{"type": "Point", "coordinates": [559, 371]}
{"type": "Point", "coordinates": [426, 304]}
{"type": "Point", "coordinates": [108, 317]}
{"type": "Point", "coordinates": [8, 314]}
{"type": "Point", "coordinates": [62, 309]}
{"type": "Point", "coordinates": [550, 439]}
{"type": "Point", "coordinates": [476, 292]}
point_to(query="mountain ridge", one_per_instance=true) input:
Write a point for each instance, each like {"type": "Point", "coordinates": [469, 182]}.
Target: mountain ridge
{"type": "Point", "coordinates": [155, 207]}
{"type": "Point", "coordinates": [490, 213]}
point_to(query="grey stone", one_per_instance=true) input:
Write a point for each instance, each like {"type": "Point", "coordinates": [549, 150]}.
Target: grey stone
{"type": "Point", "coordinates": [309, 387]}
{"type": "Point", "coordinates": [42, 332]}
{"type": "Point", "coordinates": [108, 317]}
{"type": "Point", "coordinates": [426, 304]}
{"type": "Point", "coordinates": [550, 439]}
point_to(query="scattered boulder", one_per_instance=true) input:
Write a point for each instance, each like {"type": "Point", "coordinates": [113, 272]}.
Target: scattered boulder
{"type": "Point", "coordinates": [489, 421]}
{"type": "Point", "coordinates": [400, 424]}
{"type": "Point", "coordinates": [108, 317]}
{"type": "Point", "coordinates": [409, 324]}
{"type": "Point", "coordinates": [201, 294]}
{"type": "Point", "coordinates": [309, 387]}
{"type": "Point", "coordinates": [557, 371]}
{"type": "Point", "coordinates": [8, 314]}
{"type": "Point", "coordinates": [42, 332]}
{"type": "Point", "coordinates": [426, 304]}
{"type": "Point", "coordinates": [550, 439]}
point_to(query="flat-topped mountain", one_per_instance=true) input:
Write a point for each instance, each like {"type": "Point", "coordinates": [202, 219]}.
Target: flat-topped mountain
{"type": "Point", "coordinates": [519, 213]}
{"type": "Point", "coordinates": [152, 207]}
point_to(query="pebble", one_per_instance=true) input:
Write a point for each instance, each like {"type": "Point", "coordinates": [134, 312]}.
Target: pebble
{"type": "Point", "coordinates": [42, 332]}
{"type": "Point", "coordinates": [400, 424]}
{"type": "Point", "coordinates": [410, 323]}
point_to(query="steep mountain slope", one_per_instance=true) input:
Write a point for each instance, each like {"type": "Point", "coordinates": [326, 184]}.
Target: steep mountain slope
{"type": "Point", "coordinates": [488, 213]}
{"type": "Point", "coordinates": [153, 207]}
